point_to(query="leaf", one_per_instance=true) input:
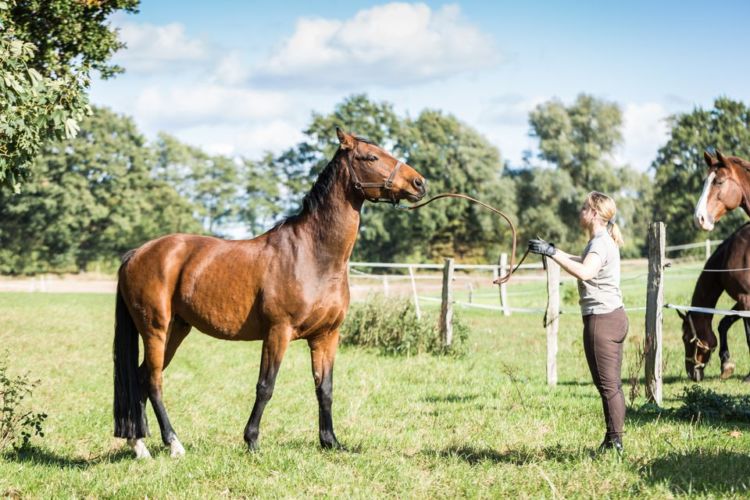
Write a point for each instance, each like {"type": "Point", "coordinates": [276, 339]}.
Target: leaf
{"type": "Point", "coordinates": [71, 128]}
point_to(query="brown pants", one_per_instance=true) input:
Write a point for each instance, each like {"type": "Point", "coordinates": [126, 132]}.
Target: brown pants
{"type": "Point", "coordinates": [603, 335]}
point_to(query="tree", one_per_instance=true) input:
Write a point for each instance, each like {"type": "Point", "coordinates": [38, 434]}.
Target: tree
{"type": "Point", "coordinates": [92, 198]}
{"type": "Point", "coordinates": [211, 183]}
{"type": "Point", "coordinates": [454, 158]}
{"type": "Point", "coordinates": [48, 49]}
{"type": "Point", "coordinates": [579, 140]}
{"type": "Point", "coordinates": [679, 167]}
{"type": "Point", "coordinates": [261, 203]}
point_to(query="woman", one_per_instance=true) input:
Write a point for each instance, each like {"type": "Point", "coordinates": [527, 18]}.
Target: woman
{"type": "Point", "coordinates": [605, 323]}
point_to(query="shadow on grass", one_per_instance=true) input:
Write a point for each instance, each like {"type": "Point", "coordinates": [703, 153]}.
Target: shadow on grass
{"type": "Point", "coordinates": [521, 456]}
{"type": "Point", "coordinates": [41, 456]}
{"type": "Point", "coordinates": [451, 398]}
{"type": "Point", "coordinates": [702, 472]}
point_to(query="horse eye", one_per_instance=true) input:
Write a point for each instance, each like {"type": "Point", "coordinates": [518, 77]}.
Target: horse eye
{"type": "Point", "coordinates": [371, 158]}
{"type": "Point", "coordinates": [719, 182]}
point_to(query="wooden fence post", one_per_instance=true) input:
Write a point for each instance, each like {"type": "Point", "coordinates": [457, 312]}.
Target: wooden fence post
{"type": "Point", "coordinates": [708, 248]}
{"type": "Point", "coordinates": [414, 292]}
{"type": "Point", "coordinates": [654, 311]}
{"type": "Point", "coordinates": [552, 318]}
{"type": "Point", "coordinates": [386, 288]}
{"type": "Point", "coordinates": [503, 286]}
{"type": "Point", "coordinates": [446, 309]}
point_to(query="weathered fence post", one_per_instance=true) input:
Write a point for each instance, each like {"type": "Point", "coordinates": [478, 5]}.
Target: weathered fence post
{"type": "Point", "coordinates": [654, 311]}
{"type": "Point", "coordinates": [446, 309]}
{"type": "Point", "coordinates": [414, 292]}
{"type": "Point", "coordinates": [708, 248]}
{"type": "Point", "coordinates": [471, 292]}
{"type": "Point", "coordinates": [503, 286]}
{"type": "Point", "coordinates": [386, 288]}
{"type": "Point", "coordinates": [552, 318]}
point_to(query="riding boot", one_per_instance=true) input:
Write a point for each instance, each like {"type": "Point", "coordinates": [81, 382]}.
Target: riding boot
{"type": "Point", "coordinates": [611, 443]}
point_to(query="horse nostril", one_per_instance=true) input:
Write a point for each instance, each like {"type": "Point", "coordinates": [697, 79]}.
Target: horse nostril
{"type": "Point", "coordinates": [419, 184]}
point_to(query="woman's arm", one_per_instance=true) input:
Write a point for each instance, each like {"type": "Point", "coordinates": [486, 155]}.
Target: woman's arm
{"type": "Point", "coordinates": [574, 258]}
{"type": "Point", "coordinates": [582, 270]}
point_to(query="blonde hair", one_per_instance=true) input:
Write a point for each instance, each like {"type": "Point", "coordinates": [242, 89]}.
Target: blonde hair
{"type": "Point", "coordinates": [604, 207]}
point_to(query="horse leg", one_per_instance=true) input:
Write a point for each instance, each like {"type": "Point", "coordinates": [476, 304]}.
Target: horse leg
{"type": "Point", "coordinates": [155, 343]}
{"type": "Point", "coordinates": [179, 329]}
{"type": "Point", "coordinates": [274, 347]}
{"type": "Point", "coordinates": [746, 322]}
{"type": "Point", "coordinates": [323, 352]}
{"type": "Point", "coordinates": [727, 366]}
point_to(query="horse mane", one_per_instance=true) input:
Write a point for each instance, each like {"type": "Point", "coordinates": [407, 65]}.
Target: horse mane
{"type": "Point", "coordinates": [318, 194]}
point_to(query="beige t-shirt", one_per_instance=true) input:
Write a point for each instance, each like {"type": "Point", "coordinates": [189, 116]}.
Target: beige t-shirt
{"type": "Point", "coordinates": [601, 294]}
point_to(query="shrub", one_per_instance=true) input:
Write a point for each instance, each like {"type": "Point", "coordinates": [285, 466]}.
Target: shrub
{"type": "Point", "coordinates": [698, 402]}
{"type": "Point", "coordinates": [17, 423]}
{"type": "Point", "coordinates": [391, 326]}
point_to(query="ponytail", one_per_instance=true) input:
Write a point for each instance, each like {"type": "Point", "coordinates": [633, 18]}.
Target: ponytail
{"type": "Point", "coordinates": [614, 231]}
{"type": "Point", "coordinates": [605, 208]}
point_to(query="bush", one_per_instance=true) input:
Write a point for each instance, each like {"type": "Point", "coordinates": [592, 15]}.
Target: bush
{"type": "Point", "coordinates": [391, 326]}
{"type": "Point", "coordinates": [17, 423]}
{"type": "Point", "coordinates": [706, 404]}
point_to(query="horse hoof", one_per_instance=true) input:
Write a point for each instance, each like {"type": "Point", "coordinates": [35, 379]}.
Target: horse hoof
{"type": "Point", "coordinates": [252, 446]}
{"type": "Point", "coordinates": [139, 448]}
{"type": "Point", "coordinates": [727, 369]}
{"type": "Point", "coordinates": [176, 449]}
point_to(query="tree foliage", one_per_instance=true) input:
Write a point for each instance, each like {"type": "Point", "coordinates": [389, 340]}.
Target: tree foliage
{"type": "Point", "coordinates": [92, 198]}
{"type": "Point", "coordinates": [48, 49]}
{"type": "Point", "coordinates": [679, 168]}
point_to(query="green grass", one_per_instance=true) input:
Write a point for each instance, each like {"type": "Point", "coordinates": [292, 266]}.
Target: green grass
{"type": "Point", "coordinates": [485, 425]}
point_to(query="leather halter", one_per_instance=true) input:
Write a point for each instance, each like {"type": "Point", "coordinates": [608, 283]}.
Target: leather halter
{"type": "Point", "coordinates": [387, 185]}
{"type": "Point", "coordinates": [698, 343]}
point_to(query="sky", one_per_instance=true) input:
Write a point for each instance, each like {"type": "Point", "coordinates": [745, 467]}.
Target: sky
{"type": "Point", "coordinates": [243, 77]}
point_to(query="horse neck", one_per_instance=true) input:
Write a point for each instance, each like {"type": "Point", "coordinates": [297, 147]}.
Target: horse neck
{"type": "Point", "coordinates": [333, 224]}
{"type": "Point", "coordinates": [744, 183]}
{"type": "Point", "coordinates": [707, 291]}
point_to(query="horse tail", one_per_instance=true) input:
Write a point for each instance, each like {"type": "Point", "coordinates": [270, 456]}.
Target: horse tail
{"type": "Point", "coordinates": [129, 405]}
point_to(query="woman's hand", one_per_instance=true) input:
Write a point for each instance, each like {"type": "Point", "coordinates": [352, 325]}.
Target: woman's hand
{"type": "Point", "coordinates": [541, 247]}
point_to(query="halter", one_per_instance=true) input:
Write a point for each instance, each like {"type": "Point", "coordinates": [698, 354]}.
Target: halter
{"type": "Point", "coordinates": [387, 185]}
{"type": "Point", "coordinates": [698, 343]}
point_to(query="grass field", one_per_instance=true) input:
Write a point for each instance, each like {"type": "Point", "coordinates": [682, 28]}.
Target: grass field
{"type": "Point", "coordinates": [485, 425]}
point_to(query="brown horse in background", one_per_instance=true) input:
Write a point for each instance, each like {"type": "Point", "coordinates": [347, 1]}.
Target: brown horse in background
{"type": "Point", "coordinates": [287, 284]}
{"type": "Point", "coordinates": [727, 186]}
{"type": "Point", "coordinates": [727, 270]}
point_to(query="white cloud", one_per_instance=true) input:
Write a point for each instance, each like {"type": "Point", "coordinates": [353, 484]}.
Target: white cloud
{"type": "Point", "coordinates": [645, 130]}
{"type": "Point", "coordinates": [251, 141]}
{"type": "Point", "coordinates": [183, 106]}
{"type": "Point", "coordinates": [158, 48]}
{"type": "Point", "coordinates": [391, 44]}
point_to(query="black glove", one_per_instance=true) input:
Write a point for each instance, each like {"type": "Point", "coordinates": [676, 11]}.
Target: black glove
{"type": "Point", "coordinates": [541, 247]}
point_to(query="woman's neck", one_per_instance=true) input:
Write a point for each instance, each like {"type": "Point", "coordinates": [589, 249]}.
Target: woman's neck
{"type": "Point", "coordinates": [595, 228]}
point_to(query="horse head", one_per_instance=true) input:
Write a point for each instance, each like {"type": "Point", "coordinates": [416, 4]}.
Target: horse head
{"type": "Point", "coordinates": [700, 342]}
{"type": "Point", "coordinates": [724, 189]}
{"type": "Point", "coordinates": [376, 175]}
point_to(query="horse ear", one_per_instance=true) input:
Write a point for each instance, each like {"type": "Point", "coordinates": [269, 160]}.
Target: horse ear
{"type": "Point", "coordinates": [710, 160]}
{"type": "Point", "coordinates": [681, 314]}
{"type": "Point", "coordinates": [346, 140]}
{"type": "Point", "coordinates": [720, 157]}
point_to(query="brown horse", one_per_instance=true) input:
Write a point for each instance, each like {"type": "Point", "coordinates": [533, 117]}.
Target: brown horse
{"type": "Point", "coordinates": [287, 284]}
{"type": "Point", "coordinates": [727, 186]}
{"type": "Point", "coordinates": [727, 270]}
